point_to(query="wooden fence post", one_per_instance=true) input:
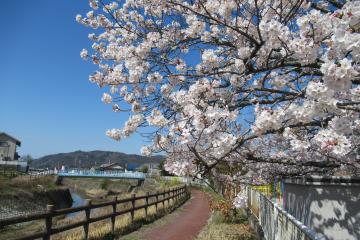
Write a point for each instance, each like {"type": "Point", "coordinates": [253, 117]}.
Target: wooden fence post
{"type": "Point", "coordinates": [166, 194]}
{"type": "Point", "coordinates": [157, 199]}
{"type": "Point", "coordinates": [169, 195]}
{"type": "Point", "coordinates": [113, 217]}
{"type": "Point", "coordinates": [48, 221]}
{"type": "Point", "coordinates": [147, 203]}
{"type": "Point", "coordinates": [87, 218]}
{"type": "Point", "coordinates": [163, 199]}
{"type": "Point", "coordinates": [132, 207]}
{"type": "Point", "coordinates": [172, 195]}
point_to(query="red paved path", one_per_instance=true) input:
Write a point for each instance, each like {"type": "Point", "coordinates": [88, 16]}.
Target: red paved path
{"type": "Point", "coordinates": [186, 224]}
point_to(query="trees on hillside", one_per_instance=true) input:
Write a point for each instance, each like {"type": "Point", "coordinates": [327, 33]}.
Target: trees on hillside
{"type": "Point", "coordinates": [144, 169]}
{"type": "Point", "coordinates": [264, 86]}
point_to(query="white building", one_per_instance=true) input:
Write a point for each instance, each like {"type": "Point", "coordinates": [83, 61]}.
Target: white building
{"type": "Point", "coordinates": [9, 158]}
{"type": "Point", "coordinates": [8, 146]}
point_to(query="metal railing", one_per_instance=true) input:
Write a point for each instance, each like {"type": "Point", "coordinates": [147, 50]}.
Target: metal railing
{"type": "Point", "coordinates": [153, 199]}
{"type": "Point", "coordinates": [277, 223]}
{"type": "Point", "coordinates": [101, 174]}
{"type": "Point", "coordinates": [42, 173]}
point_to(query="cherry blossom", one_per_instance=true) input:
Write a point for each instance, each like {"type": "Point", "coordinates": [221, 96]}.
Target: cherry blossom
{"type": "Point", "coordinates": [106, 98]}
{"type": "Point", "coordinates": [84, 54]}
{"type": "Point", "coordinates": [268, 88]}
{"type": "Point", "coordinates": [240, 201]}
{"type": "Point", "coordinates": [114, 133]}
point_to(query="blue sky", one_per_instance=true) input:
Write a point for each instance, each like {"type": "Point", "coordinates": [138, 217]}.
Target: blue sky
{"type": "Point", "coordinates": [46, 100]}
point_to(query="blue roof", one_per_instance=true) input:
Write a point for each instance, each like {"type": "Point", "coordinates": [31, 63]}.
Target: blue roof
{"type": "Point", "coordinates": [132, 166]}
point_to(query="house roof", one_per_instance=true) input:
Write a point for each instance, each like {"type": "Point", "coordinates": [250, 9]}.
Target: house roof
{"type": "Point", "coordinates": [132, 166]}
{"type": "Point", "coordinates": [107, 165]}
{"type": "Point", "coordinates": [12, 138]}
{"type": "Point", "coordinates": [117, 167]}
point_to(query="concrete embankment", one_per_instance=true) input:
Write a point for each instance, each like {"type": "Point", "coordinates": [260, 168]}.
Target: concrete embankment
{"type": "Point", "coordinates": [24, 202]}
{"type": "Point", "coordinates": [61, 198]}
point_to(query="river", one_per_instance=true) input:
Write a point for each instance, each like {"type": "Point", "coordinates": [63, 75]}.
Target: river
{"type": "Point", "coordinates": [77, 201]}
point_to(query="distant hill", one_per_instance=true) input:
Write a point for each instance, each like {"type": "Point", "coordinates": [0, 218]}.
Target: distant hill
{"type": "Point", "coordinates": [92, 158]}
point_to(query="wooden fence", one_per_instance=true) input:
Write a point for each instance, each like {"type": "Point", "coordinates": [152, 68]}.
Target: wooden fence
{"type": "Point", "coordinates": [171, 194]}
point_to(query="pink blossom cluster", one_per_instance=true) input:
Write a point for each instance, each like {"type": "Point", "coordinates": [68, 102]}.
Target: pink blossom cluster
{"type": "Point", "coordinates": [266, 87]}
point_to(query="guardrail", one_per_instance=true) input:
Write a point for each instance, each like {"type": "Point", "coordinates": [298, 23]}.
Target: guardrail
{"type": "Point", "coordinates": [171, 194]}
{"type": "Point", "coordinates": [41, 173]}
{"type": "Point", "coordinates": [275, 222]}
{"type": "Point", "coordinates": [101, 174]}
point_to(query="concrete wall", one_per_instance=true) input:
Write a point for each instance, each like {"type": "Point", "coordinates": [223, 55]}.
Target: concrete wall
{"type": "Point", "coordinates": [331, 207]}
{"type": "Point", "coordinates": [7, 151]}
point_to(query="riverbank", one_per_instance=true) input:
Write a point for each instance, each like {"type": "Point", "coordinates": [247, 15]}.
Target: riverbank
{"type": "Point", "coordinates": [30, 197]}
{"type": "Point", "coordinates": [21, 195]}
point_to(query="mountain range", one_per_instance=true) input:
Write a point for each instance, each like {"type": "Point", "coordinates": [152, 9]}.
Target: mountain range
{"type": "Point", "coordinates": [81, 159]}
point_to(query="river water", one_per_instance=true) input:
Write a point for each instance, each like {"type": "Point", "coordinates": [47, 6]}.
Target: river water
{"type": "Point", "coordinates": [77, 201]}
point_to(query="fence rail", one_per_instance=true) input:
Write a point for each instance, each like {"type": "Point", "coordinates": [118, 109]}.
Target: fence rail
{"type": "Point", "coordinates": [171, 194]}
{"type": "Point", "coordinates": [101, 174]}
{"type": "Point", "coordinates": [41, 173]}
{"type": "Point", "coordinates": [275, 222]}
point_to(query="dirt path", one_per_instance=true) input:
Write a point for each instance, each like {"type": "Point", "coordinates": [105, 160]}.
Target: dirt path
{"type": "Point", "coordinates": [186, 224]}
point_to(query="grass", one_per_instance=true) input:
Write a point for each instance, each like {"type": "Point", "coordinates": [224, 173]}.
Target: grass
{"type": "Point", "coordinates": [9, 185]}
{"type": "Point", "coordinates": [100, 190]}
{"type": "Point", "coordinates": [169, 184]}
{"type": "Point", "coordinates": [225, 222]}
{"type": "Point", "coordinates": [222, 231]}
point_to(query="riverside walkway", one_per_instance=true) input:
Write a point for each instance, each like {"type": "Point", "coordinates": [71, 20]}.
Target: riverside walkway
{"type": "Point", "coordinates": [183, 224]}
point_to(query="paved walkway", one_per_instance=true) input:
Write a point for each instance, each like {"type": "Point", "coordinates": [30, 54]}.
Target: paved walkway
{"type": "Point", "coordinates": [186, 224]}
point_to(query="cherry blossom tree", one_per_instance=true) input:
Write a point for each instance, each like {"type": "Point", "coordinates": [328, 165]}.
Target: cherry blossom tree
{"type": "Point", "coordinates": [270, 87]}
